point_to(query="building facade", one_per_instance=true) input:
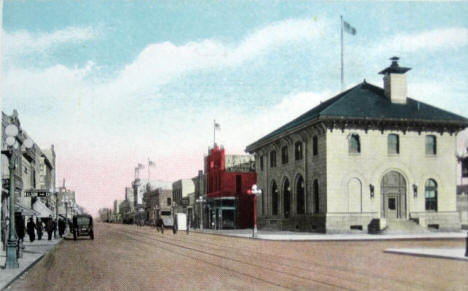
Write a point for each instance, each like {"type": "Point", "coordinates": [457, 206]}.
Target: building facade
{"type": "Point", "coordinates": [229, 205]}
{"type": "Point", "coordinates": [369, 154]}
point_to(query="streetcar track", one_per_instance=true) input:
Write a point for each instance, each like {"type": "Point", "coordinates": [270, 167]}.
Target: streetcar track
{"type": "Point", "coordinates": [220, 249]}
{"type": "Point", "coordinates": [251, 264]}
{"type": "Point", "coordinates": [384, 279]}
{"type": "Point", "coordinates": [208, 263]}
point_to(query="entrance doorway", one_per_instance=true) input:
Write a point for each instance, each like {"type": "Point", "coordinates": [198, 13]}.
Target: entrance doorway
{"type": "Point", "coordinates": [393, 196]}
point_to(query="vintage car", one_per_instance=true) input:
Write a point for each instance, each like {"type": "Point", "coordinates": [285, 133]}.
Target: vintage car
{"type": "Point", "coordinates": [83, 226]}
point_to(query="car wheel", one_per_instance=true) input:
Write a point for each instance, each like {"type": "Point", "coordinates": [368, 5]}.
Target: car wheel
{"type": "Point", "coordinates": [92, 235]}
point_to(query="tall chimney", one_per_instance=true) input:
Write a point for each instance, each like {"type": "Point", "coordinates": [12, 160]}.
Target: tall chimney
{"type": "Point", "coordinates": [395, 86]}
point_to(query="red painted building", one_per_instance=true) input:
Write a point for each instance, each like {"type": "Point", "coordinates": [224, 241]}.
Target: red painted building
{"type": "Point", "coordinates": [228, 179]}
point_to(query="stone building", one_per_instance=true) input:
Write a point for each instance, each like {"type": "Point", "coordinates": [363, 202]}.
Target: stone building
{"type": "Point", "coordinates": [462, 179]}
{"type": "Point", "coordinates": [158, 204]}
{"type": "Point", "coordinates": [369, 154]}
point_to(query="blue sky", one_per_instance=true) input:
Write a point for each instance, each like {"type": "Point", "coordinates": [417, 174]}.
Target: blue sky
{"type": "Point", "coordinates": [111, 83]}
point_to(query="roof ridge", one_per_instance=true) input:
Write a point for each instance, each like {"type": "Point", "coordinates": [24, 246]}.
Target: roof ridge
{"type": "Point", "coordinates": [345, 94]}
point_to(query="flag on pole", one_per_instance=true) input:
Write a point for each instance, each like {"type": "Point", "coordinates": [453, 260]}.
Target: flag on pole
{"type": "Point", "coordinates": [151, 164]}
{"type": "Point", "coordinates": [348, 28]}
{"type": "Point", "coordinates": [217, 126]}
{"type": "Point", "coordinates": [140, 166]}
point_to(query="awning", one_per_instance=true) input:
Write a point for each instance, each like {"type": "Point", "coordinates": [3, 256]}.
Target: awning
{"type": "Point", "coordinates": [25, 211]}
{"type": "Point", "coordinates": [43, 210]}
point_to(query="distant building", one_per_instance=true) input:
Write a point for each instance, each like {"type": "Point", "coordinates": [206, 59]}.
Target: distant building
{"type": "Point", "coordinates": [229, 205]}
{"type": "Point", "coordinates": [184, 196]}
{"type": "Point", "coordinates": [158, 204]}
{"type": "Point", "coordinates": [366, 158]}
{"type": "Point", "coordinates": [199, 182]}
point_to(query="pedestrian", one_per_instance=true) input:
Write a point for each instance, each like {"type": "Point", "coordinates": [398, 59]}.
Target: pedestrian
{"type": "Point", "coordinates": [39, 228]}
{"type": "Point", "coordinates": [160, 225]}
{"type": "Point", "coordinates": [31, 226]}
{"type": "Point", "coordinates": [50, 227]}
{"type": "Point", "coordinates": [61, 227]}
{"type": "Point", "coordinates": [54, 225]}
{"type": "Point", "coordinates": [188, 224]}
{"type": "Point", "coordinates": [20, 229]}
{"type": "Point", "coordinates": [70, 225]}
{"type": "Point", "coordinates": [174, 226]}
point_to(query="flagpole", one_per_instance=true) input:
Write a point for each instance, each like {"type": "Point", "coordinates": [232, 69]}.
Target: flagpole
{"type": "Point", "coordinates": [148, 170]}
{"type": "Point", "coordinates": [342, 78]}
{"type": "Point", "coordinates": [214, 132]}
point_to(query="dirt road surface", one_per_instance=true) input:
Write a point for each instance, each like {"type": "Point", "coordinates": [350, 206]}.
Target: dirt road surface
{"type": "Point", "coordinates": [125, 257]}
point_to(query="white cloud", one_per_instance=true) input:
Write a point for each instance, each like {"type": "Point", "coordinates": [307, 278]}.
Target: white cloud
{"type": "Point", "coordinates": [159, 63]}
{"type": "Point", "coordinates": [22, 42]}
{"type": "Point", "coordinates": [437, 39]}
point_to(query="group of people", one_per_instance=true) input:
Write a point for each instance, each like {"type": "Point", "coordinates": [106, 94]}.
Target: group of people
{"type": "Point", "coordinates": [49, 225]}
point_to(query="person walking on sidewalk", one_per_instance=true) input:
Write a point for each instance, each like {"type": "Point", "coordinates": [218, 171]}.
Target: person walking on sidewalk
{"type": "Point", "coordinates": [39, 228]}
{"type": "Point", "coordinates": [61, 227]}
{"type": "Point", "coordinates": [50, 226]}
{"type": "Point", "coordinates": [31, 226]}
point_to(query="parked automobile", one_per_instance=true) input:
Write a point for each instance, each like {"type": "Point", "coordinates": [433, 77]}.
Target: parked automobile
{"type": "Point", "coordinates": [83, 226]}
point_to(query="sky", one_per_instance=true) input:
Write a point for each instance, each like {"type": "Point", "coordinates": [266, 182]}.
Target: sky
{"type": "Point", "coordinates": [114, 83]}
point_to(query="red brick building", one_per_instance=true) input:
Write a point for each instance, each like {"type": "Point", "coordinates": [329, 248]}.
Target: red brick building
{"type": "Point", "coordinates": [228, 179]}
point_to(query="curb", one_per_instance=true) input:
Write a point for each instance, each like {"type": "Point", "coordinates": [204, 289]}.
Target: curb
{"type": "Point", "coordinates": [29, 267]}
{"type": "Point", "coordinates": [396, 252]}
{"type": "Point", "coordinates": [370, 239]}
{"type": "Point", "coordinates": [22, 272]}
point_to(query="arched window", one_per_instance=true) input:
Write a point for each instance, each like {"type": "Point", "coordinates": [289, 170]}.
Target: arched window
{"type": "Point", "coordinates": [354, 144]}
{"type": "Point", "coordinates": [393, 144]}
{"type": "Point", "coordinates": [431, 145]}
{"type": "Point", "coordinates": [298, 151]}
{"type": "Point", "coordinates": [272, 159]}
{"type": "Point", "coordinates": [300, 195]}
{"type": "Point", "coordinates": [286, 199]}
{"type": "Point", "coordinates": [274, 199]}
{"type": "Point", "coordinates": [284, 155]}
{"type": "Point", "coordinates": [316, 197]}
{"type": "Point", "coordinates": [431, 195]}
{"type": "Point", "coordinates": [315, 145]}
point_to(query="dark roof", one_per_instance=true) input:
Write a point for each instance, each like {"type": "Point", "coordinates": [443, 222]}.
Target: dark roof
{"type": "Point", "coordinates": [366, 101]}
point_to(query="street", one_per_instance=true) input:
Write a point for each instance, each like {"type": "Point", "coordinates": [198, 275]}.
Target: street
{"type": "Point", "coordinates": [127, 257]}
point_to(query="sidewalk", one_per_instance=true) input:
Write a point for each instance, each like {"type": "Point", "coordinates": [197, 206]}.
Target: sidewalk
{"type": "Point", "coordinates": [306, 236]}
{"type": "Point", "coordinates": [32, 253]}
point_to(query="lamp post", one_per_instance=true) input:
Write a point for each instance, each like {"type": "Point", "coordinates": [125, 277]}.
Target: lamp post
{"type": "Point", "coordinates": [255, 192]}
{"type": "Point", "coordinates": [201, 200]}
{"type": "Point", "coordinates": [12, 132]}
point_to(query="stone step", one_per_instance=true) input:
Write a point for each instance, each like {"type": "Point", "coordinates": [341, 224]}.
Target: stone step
{"type": "Point", "coordinates": [404, 226]}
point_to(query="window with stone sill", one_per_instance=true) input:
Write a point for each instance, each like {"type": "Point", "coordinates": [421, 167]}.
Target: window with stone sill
{"type": "Point", "coordinates": [298, 151]}
{"type": "Point", "coordinates": [315, 145]}
{"type": "Point", "coordinates": [272, 159]}
{"type": "Point", "coordinates": [431, 145]}
{"type": "Point", "coordinates": [261, 163]}
{"type": "Point", "coordinates": [393, 144]}
{"type": "Point", "coordinates": [431, 195]}
{"type": "Point", "coordinates": [354, 144]}
{"type": "Point", "coordinates": [284, 155]}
